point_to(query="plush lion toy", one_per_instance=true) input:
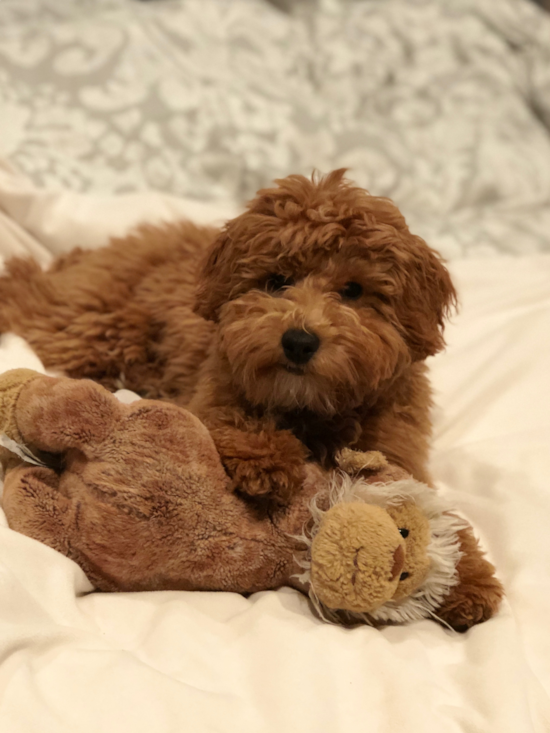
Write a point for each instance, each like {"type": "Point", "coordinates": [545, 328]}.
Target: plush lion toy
{"type": "Point", "coordinates": [137, 496]}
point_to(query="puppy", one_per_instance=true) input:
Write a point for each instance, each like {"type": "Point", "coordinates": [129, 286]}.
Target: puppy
{"type": "Point", "coordinates": [297, 331]}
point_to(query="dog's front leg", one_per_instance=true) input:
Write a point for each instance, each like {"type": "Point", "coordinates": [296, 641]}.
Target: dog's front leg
{"type": "Point", "coordinates": [262, 462]}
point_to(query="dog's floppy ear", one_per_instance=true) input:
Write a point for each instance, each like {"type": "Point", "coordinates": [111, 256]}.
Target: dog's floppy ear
{"type": "Point", "coordinates": [231, 263]}
{"type": "Point", "coordinates": [428, 299]}
{"type": "Point", "coordinates": [213, 287]}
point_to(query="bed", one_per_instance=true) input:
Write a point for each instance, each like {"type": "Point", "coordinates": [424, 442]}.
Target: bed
{"type": "Point", "coordinates": [445, 107]}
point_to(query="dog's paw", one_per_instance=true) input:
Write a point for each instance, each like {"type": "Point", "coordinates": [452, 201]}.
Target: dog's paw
{"type": "Point", "coordinates": [478, 593]}
{"type": "Point", "coordinates": [471, 605]}
{"type": "Point", "coordinates": [263, 480]}
{"type": "Point", "coordinates": [262, 465]}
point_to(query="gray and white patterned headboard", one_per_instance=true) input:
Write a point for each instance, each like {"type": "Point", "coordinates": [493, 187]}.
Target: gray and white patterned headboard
{"type": "Point", "coordinates": [444, 106]}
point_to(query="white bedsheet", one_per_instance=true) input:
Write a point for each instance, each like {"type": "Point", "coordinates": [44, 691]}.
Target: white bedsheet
{"type": "Point", "coordinates": [75, 661]}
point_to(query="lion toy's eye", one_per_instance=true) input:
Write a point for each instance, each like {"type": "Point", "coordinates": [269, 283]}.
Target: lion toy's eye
{"type": "Point", "coordinates": [351, 291]}
{"type": "Point", "coordinates": [275, 282]}
{"type": "Point", "coordinates": [404, 532]}
{"type": "Point", "coordinates": [404, 576]}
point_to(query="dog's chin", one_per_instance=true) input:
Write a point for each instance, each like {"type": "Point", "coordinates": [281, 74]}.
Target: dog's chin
{"type": "Point", "coordinates": [285, 387]}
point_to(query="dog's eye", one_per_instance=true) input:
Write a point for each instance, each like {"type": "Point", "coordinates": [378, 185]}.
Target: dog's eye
{"type": "Point", "coordinates": [404, 576]}
{"type": "Point", "coordinates": [403, 532]}
{"type": "Point", "coordinates": [351, 291]}
{"type": "Point", "coordinates": [278, 282]}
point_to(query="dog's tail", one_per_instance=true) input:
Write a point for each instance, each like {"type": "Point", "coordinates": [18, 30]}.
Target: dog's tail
{"type": "Point", "coordinates": [25, 295]}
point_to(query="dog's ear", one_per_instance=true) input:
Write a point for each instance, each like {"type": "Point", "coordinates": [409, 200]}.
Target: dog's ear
{"type": "Point", "coordinates": [428, 299]}
{"type": "Point", "coordinates": [214, 281]}
{"type": "Point", "coordinates": [243, 248]}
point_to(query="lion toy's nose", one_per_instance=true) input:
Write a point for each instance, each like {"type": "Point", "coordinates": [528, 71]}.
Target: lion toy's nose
{"type": "Point", "coordinates": [299, 345]}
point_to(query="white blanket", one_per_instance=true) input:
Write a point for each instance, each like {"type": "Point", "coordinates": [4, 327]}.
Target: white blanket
{"type": "Point", "coordinates": [75, 661]}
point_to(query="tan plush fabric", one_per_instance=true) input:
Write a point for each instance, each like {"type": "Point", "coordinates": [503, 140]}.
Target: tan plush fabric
{"type": "Point", "coordinates": [353, 462]}
{"type": "Point", "coordinates": [143, 501]}
{"type": "Point", "coordinates": [11, 384]}
{"type": "Point", "coordinates": [416, 528]}
{"type": "Point", "coordinates": [358, 555]}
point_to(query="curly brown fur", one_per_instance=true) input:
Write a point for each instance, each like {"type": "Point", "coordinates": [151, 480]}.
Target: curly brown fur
{"type": "Point", "coordinates": [478, 594]}
{"type": "Point", "coordinates": [127, 314]}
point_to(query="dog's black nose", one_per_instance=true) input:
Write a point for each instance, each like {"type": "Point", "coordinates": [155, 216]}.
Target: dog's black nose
{"type": "Point", "coordinates": [299, 346]}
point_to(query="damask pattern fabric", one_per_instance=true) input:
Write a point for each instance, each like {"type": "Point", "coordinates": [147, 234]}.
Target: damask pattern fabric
{"type": "Point", "coordinates": [442, 105]}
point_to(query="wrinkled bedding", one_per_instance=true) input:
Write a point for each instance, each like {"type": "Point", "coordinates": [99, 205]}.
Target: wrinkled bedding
{"type": "Point", "coordinates": [72, 660]}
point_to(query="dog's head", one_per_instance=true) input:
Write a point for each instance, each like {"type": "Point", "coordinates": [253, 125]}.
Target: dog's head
{"type": "Point", "coordinates": [322, 295]}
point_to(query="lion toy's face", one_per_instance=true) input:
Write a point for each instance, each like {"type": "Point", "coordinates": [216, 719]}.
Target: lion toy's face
{"type": "Point", "coordinates": [364, 555]}
{"type": "Point", "coordinates": [322, 296]}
